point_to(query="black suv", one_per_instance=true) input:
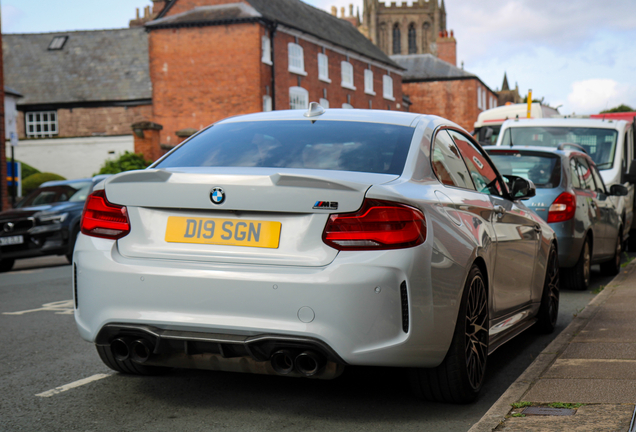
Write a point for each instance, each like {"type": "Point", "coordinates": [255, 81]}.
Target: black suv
{"type": "Point", "coordinates": [45, 222]}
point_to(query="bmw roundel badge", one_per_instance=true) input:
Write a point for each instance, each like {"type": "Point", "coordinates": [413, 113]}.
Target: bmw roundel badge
{"type": "Point", "coordinates": [217, 196]}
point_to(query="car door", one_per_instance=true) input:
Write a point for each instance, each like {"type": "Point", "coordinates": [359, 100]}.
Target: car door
{"type": "Point", "coordinates": [517, 233]}
{"type": "Point", "coordinates": [609, 218]}
{"type": "Point", "coordinates": [586, 198]}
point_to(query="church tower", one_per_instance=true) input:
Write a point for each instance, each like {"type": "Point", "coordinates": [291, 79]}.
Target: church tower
{"type": "Point", "coordinates": [405, 29]}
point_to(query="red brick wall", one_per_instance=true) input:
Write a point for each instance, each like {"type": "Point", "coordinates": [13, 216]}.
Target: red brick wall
{"type": "Point", "coordinates": [336, 94]}
{"type": "Point", "coordinates": [453, 100]}
{"type": "Point", "coordinates": [79, 122]}
{"type": "Point", "coordinates": [204, 74]}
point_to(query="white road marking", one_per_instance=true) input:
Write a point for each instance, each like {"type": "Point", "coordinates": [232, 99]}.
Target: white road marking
{"type": "Point", "coordinates": [64, 307]}
{"type": "Point", "coordinates": [73, 385]}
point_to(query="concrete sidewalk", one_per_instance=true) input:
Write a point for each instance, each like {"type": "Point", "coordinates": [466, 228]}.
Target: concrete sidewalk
{"type": "Point", "coordinates": [590, 369]}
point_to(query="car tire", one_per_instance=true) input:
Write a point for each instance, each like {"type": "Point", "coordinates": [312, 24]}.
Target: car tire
{"type": "Point", "coordinates": [613, 266]}
{"type": "Point", "coordinates": [71, 244]}
{"type": "Point", "coordinates": [578, 277]}
{"type": "Point", "coordinates": [6, 265]}
{"type": "Point", "coordinates": [631, 241]}
{"type": "Point", "coordinates": [549, 309]}
{"type": "Point", "coordinates": [460, 376]}
{"type": "Point", "coordinates": [128, 366]}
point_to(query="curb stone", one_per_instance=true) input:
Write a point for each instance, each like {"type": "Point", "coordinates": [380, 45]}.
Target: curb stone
{"type": "Point", "coordinates": [497, 413]}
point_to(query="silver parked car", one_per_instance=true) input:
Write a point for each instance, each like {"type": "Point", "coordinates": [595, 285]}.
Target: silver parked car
{"type": "Point", "coordinates": [296, 243]}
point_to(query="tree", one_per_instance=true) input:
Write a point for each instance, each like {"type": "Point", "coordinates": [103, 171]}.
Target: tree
{"type": "Point", "coordinates": [126, 162]}
{"type": "Point", "coordinates": [619, 109]}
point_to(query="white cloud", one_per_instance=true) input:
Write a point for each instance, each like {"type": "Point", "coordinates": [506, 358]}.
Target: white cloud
{"type": "Point", "coordinates": [594, 95]}
{"type": "Point", "coordinates": [11, 17]}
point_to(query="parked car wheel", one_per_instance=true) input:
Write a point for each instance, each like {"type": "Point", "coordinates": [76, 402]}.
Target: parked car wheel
{"type": "Point", "coordinates": [6, 265]}
{"type": "Point", "coordinates": [127, 366]}
{"type": "Point", "coordinates": [549, 309]}
{"type": "Point", "coordinates": [613, 266]}
{"type": "Point", "coordinates": [578, 277]}
{"type": "Point", "coordinates": [460, 376]}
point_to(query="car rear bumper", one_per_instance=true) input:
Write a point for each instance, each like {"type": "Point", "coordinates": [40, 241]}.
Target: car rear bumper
{"type": "Point", "coordinates": [354, 306]}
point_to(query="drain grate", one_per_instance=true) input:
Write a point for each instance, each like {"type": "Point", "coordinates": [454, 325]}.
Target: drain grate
{"type": "Point", "coordinates": [546, 411]}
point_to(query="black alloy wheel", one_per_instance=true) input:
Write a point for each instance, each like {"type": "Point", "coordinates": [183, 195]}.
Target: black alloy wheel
{"type": "Point", "coordinates": [549, 309]}
{"type": "Point", "coordinates": [578, 277]}
{"type": "Point", "coordinates": [476, 332]}
{"type": "Point", "coordinates": [613, 266]}
{"type": "Point", "coordinates": [459, 378]}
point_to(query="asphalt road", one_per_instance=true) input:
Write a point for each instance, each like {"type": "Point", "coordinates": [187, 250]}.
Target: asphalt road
{"type": "Point", "coordinates": [42, 351]}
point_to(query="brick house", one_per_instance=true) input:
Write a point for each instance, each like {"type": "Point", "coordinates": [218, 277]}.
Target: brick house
{"type": "Point", "coordinates": [439, 87]}
{"type": "Point", "coordinates": [210, 59]}
{"type": "Point", "coordinates": [81, 92]}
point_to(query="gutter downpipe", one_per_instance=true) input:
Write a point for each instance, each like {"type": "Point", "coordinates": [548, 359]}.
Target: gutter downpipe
{"type": "Point", "coordinates": [272, 32]}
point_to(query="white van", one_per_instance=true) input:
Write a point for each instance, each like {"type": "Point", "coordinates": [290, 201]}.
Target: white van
{"type": "Point", "coordinates": [610, 143]}
{"type": "Point", "coordinates": [489, 122]}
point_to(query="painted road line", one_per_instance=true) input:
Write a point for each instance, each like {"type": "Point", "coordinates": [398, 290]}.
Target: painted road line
{"type": "Point", "coordinates": [64, 307]}
{"type": "Point", "coordinates": [73, 385]}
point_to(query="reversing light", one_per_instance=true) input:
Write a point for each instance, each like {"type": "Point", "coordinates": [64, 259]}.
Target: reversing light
{"type": "Point", "coordinates": [104, 219]}
{"type": "Point", "coordinates": [563, 208]}
{"type": "Point", "coordinates": [377, 225]}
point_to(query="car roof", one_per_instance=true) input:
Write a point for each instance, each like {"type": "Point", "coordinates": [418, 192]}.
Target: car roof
{"type": "Point", "coordinates": [538, 149]}
{"type": "Point", "coordinates": [400, 118]}
{"type": "Point", "coordinates": [64, 182]}
{"type": "Point", "coordinates": [566, 122]}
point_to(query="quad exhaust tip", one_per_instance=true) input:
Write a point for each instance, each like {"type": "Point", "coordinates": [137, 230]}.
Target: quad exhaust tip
{"type": "Point", "coordinates": [140, 350]}
{"type": "Point", "coordinates": [283, 362]}
{"type": "Point", "coordinates": [120, 349]}
{"type": "Point", "coordinates": [309, 363]}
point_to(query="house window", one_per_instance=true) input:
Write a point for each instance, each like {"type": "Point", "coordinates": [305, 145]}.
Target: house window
{"type": "Point", "coordinates": [267, 51]}
{"type": "Point", "coordinates": [397, 35]}
{"type": "Point", "coordinates": [296, 59]}
{"type": "Point", "coordinates": [387, 90]}
{"type": "Point", "coordinates": [323, 67]}
{"type": "Point", "coordinates": [368, 82]}
{"type": "Point", "coordinates": [412, 39]}
{"type": "Point", "coordinates": [57, 43]}
{"type": "Point", "coordinates": [347, 75]}
{"type": "Point", "coordinates": [347, 106]}
{"type": "Point", "coordinates": [298, 98]}
{"type": "Point", "coordinates": [41, 124]}
{"type": "Point", "coordinates": [324, 103]}
{"type": "Point", "coordinates": [479, 98]}
{"type": "Point", "coordinates": [267, 103]}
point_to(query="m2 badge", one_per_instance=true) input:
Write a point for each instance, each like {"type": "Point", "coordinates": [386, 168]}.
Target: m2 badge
{"type": "Point", "coordinates": [326, 205]}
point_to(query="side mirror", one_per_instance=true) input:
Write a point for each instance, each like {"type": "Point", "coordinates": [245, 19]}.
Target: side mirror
{"type": "Point", "coordinates": [630, 176]}
{"type": "Point", "coordinates": [618, 190]}
{"type": "Point", "coordinates": [488, 134]}
{"type": "Point", "coordinates": [521, 188]}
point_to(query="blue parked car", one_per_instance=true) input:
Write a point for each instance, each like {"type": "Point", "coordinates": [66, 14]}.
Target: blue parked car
{"type": "Point", "coordinates": [573, 199]}
{"type": "Point", "coordinates": [45, 222]}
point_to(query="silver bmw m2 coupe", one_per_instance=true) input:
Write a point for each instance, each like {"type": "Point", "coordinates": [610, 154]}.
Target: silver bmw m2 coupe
{"type": "Point", "coordinates": [297, 243]}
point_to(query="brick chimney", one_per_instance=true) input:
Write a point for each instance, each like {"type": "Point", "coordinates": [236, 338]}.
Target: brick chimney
{"type": "Point", "coordinates": [447, 47]}
{"type": "Point", "coordinates": [148, 13]}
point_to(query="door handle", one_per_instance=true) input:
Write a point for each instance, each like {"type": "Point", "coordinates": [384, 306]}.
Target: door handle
{"type": "Point", "coordinates": [537, 228]}
{"type": "Point", "coordinates": [500, 211]}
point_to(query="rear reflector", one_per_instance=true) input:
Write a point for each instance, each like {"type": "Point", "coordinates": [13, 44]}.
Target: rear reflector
{"type": "Point", "coordinates": [377, 225]}
{"type": "Point", "coordinates": [103, 219]}
{"type": "Point", "coordinates": [563, 208]}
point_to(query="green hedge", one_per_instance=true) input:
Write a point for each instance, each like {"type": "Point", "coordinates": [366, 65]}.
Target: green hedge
{"type": "Point", "coordinates": [126, 162]}
{"type": "Point", "coordinates": [34, 181]}
{"type": "Point", "coordinates": [28, 170]}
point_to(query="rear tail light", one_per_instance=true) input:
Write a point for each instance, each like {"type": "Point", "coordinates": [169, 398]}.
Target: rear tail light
{"type": "Point", "coordinates": [563, 208]}
{"type": "Point", "coordinates": [377, 225]}
{"type": "Point", "coordinates": [103, 219]}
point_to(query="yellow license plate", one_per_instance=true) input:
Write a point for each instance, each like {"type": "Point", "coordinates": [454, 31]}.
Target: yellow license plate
{"type": "Point", "coordinates": [231, 232]}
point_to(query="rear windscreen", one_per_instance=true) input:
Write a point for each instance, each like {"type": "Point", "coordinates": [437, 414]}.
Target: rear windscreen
{"type": "Point", "coordinates": [544, 171]}
{"type": "Point", "coordinates": [599, 143]}
{"type": "Point", "coordinates": [329, 145]}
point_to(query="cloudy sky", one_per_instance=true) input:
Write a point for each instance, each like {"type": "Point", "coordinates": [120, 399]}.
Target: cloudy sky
{"type": "Point", "coordinates": [577, 54]}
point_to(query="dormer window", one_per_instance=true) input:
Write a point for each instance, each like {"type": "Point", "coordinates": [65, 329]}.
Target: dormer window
{"type": "Point", "coordinates": [57, 43]}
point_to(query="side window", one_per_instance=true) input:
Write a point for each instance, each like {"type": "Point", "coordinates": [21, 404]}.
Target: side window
{"type": "Point", "coordinates": [448, 164]}
{"type": "Point", "coordinates": [574, 174]}
{"type": "Point", "coordinates": [483, 174]}
{"type": "Point", "coordinates": [600, 186]}
{"type": "Point", "coordinates": [585, 174]}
